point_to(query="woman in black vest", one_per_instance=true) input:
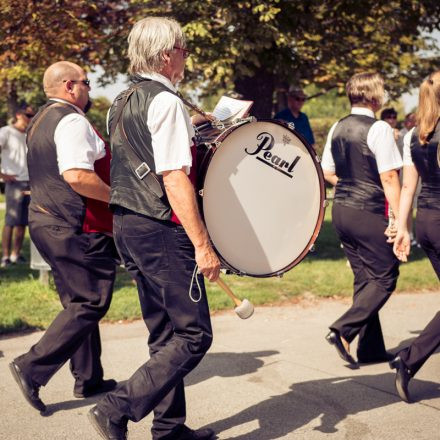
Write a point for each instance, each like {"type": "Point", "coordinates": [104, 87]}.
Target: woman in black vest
{"type": "Point", "coordinates": [420, 160]}
{"type": "Point", "coordinates": [361, 159]}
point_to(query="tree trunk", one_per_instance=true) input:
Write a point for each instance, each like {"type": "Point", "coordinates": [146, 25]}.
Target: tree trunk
{"type": "Point", "coordinates": [259, 89]}
{"type": "Point", "coordinates": [12, 99]}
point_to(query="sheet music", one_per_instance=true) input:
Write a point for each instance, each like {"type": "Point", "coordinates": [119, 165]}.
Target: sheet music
{"type": "Point", "coordinates": [228, 108]}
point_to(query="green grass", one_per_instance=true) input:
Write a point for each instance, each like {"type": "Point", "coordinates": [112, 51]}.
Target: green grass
{"type": "Point", "coordinates": [25, 303]}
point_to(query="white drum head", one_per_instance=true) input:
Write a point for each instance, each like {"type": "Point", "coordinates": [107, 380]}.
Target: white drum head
{"type": "Point", "coordinates": [262, 198]}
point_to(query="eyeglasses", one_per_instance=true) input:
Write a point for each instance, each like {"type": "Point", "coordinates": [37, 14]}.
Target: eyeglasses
{"type": "Point", "coordinates": [86, 82]}
{"type": "Point", "coordinates": [186, 52]}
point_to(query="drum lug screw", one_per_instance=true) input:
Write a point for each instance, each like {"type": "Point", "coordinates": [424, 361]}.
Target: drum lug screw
{"type": "Point", "coordinates": [201, 193]}
{"type": "Point", "coordinates": [312, 248]}
{"type": "Point", "coordinates": [325, 203]}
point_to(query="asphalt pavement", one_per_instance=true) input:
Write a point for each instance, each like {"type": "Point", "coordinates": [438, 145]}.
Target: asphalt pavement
{"type": "Point", "coordinates": [272, 376]}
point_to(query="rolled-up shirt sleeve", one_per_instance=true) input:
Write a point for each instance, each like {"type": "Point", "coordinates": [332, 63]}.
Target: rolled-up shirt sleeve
{"type": "Point", "coordinates": [381, 142]}
{"type": "Point", "coordinates": [171, 133]}
{"type": "Point", "coordinates": [77, 144]}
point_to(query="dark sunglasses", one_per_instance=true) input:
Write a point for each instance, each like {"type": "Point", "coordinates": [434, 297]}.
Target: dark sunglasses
{"type": "Point", "coordinates": [30, 115]}
{"type": "Point", "coordinates": [86, 82]}
{"type": "Point", "coordinates": [297, 98]}
{"type": "Point", "coordinates": [186, 52]}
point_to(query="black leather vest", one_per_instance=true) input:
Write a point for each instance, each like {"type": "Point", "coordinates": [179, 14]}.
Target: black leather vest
{"type": "Point", "coordinates": [127, 190]}
{"type": "Point", "coordinates": [48, 189]}
{"type": "Point", "coordinates": [425, 161]}
{"type": "Point", "coordinates": [359, 184]}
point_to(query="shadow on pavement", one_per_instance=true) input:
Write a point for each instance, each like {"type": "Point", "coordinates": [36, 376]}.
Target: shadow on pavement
{"type": "Point", "coordinates": [73, 404]}
{"type": "Point", "coordinates": [329, 401]}
{"type": "Point", "coordinates": [227, 365]}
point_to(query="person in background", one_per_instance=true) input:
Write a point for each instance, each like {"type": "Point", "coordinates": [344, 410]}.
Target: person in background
{"type": "Point", "coordinates": [295, 101]}
{"type": "Point", "coordinates": [390, 115]}
{"type": "Point", "coordinates": [420, 146]}
{"type": "Point", "coordinates": [361, 159]}
{"type": "Point", "coordinates": [71, 226]}
{"type": "Point", "coordinates": [14, 173]}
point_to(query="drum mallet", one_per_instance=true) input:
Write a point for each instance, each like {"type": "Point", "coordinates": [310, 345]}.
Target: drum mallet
{"type": "Point", "coordinates": [244, 309]}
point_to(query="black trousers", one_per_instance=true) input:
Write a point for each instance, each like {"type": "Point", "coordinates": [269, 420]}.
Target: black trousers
{"type": "Point", "coordinates": [84, 268]}
{"type": "Point", "coordinates": [375, 270]}
{"type": "Point", "coordinates": [160, 257]}
{"type": "Point", "coordinates": [428, 235]}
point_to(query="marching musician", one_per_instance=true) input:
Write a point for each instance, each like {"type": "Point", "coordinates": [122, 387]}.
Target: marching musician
{"type": "Point", "coordinates": [159, 234]}
{"type": "Point", "coordinates": [420, 146]}
{"type": "Point", "coordinates": [71, 226]}
{"type": "Point", "coordinates": [361, 159]}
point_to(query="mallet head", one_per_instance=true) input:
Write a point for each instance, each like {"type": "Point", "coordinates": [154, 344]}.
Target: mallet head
{"type": "Point", "coordinates": [245, 309]}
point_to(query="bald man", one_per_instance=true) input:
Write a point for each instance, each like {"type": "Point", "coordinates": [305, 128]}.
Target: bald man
{"type": "Point", "coordinates": [71, 225]}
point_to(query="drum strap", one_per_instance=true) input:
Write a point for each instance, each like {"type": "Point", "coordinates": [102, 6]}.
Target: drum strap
{"type": "Point", "coordinates": [140, 167]}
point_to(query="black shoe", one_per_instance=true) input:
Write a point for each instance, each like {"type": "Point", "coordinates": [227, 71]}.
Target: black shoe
{"type": "Point", "coordinates": [27, 387]}
{"type": "Point", "coordinates": [403, 376]}
{"type": "Point", "coordinates": [333, 338]}
{"type": "Point", "coordinates": [105, 427]}
{"type": "Point", "coordinates": [387, 357]}
{"type": "Point", "coordinates": [102, 387]}
{"type": "Point", "coordinates": [198, 434]}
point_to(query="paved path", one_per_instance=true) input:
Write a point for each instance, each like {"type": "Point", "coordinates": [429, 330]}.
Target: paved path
{"type": "Point", "coordinates": [270, 377]}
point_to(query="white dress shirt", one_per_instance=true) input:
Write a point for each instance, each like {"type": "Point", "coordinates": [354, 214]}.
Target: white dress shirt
{"type": "Point", "coordinates": [171, 130]}
{"type": "Point", "coordinates": [407, 159]}
{"type": "Point", "coordinates": [77, 143]}
{"type": "Point", "coordinates": [380, 141]}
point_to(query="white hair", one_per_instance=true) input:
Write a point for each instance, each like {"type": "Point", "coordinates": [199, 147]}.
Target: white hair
{"type": "Point", "coordinates": [149, 39]}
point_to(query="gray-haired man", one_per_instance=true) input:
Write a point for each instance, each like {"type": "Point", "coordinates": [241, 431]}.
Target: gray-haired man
{"type": "Point", "coordinates": [159, 235]}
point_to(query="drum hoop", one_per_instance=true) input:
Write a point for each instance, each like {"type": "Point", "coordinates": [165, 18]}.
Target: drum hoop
{"type": "Point", "coordinates": [322, 198]}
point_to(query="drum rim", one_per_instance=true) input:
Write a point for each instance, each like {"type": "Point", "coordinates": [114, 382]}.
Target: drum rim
{"type": "Point", "coordinates": [316, 161]}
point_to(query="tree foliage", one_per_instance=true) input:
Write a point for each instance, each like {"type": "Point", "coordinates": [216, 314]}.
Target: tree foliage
{"type": "Point", "coordinates": [259, 45]}
{"type": "Point", "coordinates": [252, 46]}
{"type": "Point", "coordinates": [35, 34]}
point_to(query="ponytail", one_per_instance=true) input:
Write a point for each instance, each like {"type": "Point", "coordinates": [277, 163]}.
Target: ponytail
{"type": "Point", "coordinates": [428, 111]}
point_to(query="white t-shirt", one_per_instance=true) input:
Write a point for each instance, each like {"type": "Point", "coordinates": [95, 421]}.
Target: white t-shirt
{"type": "Point", "coordinates": [171, 130]}
{"type": "Point", "coordinates": [13, 153]}
{"type": "Point", "coordinates": [380, 141]}
{"type": "Point", "coordinates": [407, 159]}
{"type": "Point", "coordinates": [77, 144]}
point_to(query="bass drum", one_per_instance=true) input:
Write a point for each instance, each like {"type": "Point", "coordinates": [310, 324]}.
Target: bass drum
{"type": "Point", "coordinates": [263, 197]}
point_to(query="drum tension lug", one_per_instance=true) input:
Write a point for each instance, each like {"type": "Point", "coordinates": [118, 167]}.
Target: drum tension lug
{"type": "Point", "coordinates": [325, 203]}
{"type": "Point", "coordinates": [312, 248]}
{"type": "Point", "coordinates": [201, 193]}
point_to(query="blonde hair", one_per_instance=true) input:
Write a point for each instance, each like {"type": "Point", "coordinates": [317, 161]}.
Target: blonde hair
{"type": "Point", "coordinates": [365, 88]}
{"type": "Point", "coordinates": [149, 39]}
{"type": "Point", "coordinates": [428, 110]}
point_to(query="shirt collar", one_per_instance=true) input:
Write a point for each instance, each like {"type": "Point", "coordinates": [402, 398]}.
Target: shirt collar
{"type": "Point", "coordinates": [159, 78]}
{"type": "Point", "coordinates": [69, 103]}
{"type": "Point", "coordinates": [362, 111]}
